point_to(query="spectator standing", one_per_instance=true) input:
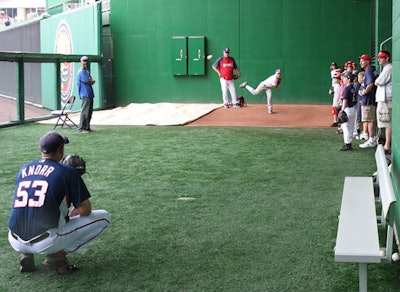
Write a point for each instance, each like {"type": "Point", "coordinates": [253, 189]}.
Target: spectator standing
{"type": "Point", "coordinates": [348, 67]}
{"type": "Point", "coordinates": [368, 92]}
{"type": "Point", "coordinates": [334, 91]}
{"type": "Point", "coordinates": [356, 86]}
{"type": "Point", "coordinates": [348, 106]}
{"type": "Point", "coordinates": [368, 109]}
{"type": "Point", "coordinates": [334, 70]}
{"type": "Point", "coordinates": [341, 89]}
{"type": "Point", "coordinates": [225, 67]}
{"type": "Point", "coordinates": [384, 98]}
{"type": "Point", "coordinates": [86, 94]}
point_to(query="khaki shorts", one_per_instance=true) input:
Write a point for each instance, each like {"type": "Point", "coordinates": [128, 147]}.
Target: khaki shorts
{"type": "Point", "coordinates": [368, 113]}
{"type": "Point", "coordinates": [384, 114]}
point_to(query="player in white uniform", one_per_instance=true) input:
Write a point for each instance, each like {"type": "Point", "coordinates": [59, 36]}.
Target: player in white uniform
{"type": "Point", "coordinates": [272, 81]}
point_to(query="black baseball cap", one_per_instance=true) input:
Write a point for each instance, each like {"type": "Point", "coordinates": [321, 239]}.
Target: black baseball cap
{"type": "Point", "coordinates": [50, 142]}
{"type": "Point", "coordinates": [349, 75]}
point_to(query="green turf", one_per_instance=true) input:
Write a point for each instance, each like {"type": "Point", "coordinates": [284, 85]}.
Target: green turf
{"type": "Point", "coordinates": [263, 218]}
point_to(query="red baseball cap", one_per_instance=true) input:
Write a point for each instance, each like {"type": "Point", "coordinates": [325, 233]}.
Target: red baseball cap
{"type": "Point", "coordinates": [365, 57]}
{"type": "Point", "coordinates": [383, 55]}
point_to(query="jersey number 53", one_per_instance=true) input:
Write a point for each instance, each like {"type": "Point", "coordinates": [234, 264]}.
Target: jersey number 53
{"type": "Point", "coordinates": [22, 197]}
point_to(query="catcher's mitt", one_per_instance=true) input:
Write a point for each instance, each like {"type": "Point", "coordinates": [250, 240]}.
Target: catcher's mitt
{"type": "Point", "coordinates": [76, 162]}
{"type": "Point", "coordinates": [342, 117]}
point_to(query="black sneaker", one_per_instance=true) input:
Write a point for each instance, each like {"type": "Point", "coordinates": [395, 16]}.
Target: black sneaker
{"type": "Point", "coordinates": [26, 262]}
{"type": "Point", "coordinates": [345, 147]}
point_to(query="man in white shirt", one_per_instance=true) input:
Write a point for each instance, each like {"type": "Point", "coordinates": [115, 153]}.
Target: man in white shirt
{"type": "Point", "coordinates": [383, 97]}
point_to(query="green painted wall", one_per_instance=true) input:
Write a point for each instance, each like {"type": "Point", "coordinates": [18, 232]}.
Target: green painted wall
{"type": "Point", "coordinates": [396, 107]}
{"type": "Point", "coordinates": [84, 26]}
{"type": "Point", "coordinates": [383, 29]}
{"type": "Point", "coordinates": [300, 37]}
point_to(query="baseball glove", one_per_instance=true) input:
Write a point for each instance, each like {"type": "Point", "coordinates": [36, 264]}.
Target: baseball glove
{"type": "Point", "coordinates": [76, 162]}
{"type": "Point", "coordinates": [342, 117]}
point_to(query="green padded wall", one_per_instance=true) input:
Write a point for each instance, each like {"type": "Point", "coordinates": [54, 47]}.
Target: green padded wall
{"type": "Point", "coordinates": [83, 37]}
{"type": "Point", "coordinates": [396, 108]}
{"type": "Point", "coordinates": [300, 37]}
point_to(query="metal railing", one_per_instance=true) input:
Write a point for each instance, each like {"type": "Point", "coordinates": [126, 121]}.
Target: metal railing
{"type": "Point", "coordinates": [20, 58]}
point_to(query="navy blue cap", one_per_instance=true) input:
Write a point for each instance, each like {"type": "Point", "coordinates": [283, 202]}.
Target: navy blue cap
{"type": "Point", "coordinates": [50, 142]}
{"type": "Point", "coordinates": [349, 75]}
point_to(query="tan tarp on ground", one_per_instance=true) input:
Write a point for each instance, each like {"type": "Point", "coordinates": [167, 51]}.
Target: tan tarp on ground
{"type": "Point", "coordinates": [159, 114]}
{"type": "Point", "coordinates": [254, 115]}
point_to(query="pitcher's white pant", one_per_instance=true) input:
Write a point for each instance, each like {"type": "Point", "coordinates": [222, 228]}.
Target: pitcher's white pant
{"type": "Point", "coordinates": [260, 88]}
{"type": "Point", "coordinates": [348, 127]}
{"type": "Point", "coordinates": [78, 231]}
{"type": "Point", "coordinates": [225, 85]}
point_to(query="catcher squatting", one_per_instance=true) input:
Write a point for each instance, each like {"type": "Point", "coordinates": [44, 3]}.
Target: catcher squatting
{"type": "Point", "coordinates": [40, 220]}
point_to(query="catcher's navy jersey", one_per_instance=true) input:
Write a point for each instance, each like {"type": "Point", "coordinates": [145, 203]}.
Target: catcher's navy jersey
{"type": "Point", "coordinates": [348, 94]}
{"type": "Point", "coordinates": [43, 193]}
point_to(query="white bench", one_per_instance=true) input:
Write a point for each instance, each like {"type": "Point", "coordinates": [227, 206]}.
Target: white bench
{"type": "Point", "coordinates": [357, 238]}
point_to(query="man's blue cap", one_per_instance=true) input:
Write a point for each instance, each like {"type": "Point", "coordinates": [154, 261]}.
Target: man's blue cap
{"type": "Point", "coordinates": [278, 71]}
{"type": "Point", "coordinates": [226, 50]}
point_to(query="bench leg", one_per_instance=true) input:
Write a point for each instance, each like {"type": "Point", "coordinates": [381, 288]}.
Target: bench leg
{"type": "Point", "coordinates": [362, 277]}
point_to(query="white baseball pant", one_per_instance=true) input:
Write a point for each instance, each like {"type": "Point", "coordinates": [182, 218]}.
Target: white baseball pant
{"type": "Point", "coordinates": [225, 85]}
{"type": "Point", "coordinates": [77, 232]}
{"type": "Point", "coordinates": [348, 127]}
{"type": "Point", "coordinates": [260, 88]}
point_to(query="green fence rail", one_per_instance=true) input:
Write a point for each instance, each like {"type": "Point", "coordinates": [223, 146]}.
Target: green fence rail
{"type": "Point", "coordinates": [20, 58]}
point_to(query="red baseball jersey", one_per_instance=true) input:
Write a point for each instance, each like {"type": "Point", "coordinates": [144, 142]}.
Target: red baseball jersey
{"type": "Point", "coordinates": [226, 67]}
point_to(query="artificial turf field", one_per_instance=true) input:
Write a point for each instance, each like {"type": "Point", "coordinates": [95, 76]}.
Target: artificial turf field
{"type": "Point", "coordinates": [263, 215]}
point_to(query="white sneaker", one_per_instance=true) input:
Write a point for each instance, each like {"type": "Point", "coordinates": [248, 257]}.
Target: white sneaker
{"type": "Point", "coordinates": [243, 84]}
{"type": "Point", "coordinates": [363, 136]}
{"type": "Point", "coordinates": [369, 144]}
{"type": "Point", "coordinates": [226, 105]}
